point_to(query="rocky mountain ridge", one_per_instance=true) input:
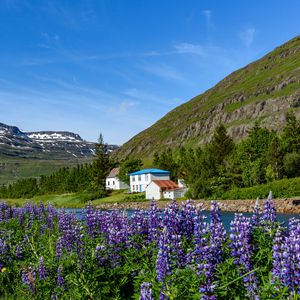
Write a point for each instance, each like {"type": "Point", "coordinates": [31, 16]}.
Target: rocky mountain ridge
{"type": "Point", "coordinates": [262, 91]}
{"type": "Point", "coordinates": [44, 144]}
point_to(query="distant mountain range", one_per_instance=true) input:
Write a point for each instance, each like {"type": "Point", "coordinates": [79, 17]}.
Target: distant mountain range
{"type": "Point", "coordinates": [262, 91]}
{"type": "Point", "coordinates": [44, 144]}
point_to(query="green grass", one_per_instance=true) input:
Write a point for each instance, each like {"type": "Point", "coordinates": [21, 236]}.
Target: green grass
{"type": "Point", "coordinates": [12, 169]}
{"type": "Point", "coordinates": [74, 200]}
{"type": "Point", "coordinates": [285, 188]}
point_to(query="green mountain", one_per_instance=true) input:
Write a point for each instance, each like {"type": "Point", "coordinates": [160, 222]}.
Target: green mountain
{"type": "Point", "coordinates": [261, 91]}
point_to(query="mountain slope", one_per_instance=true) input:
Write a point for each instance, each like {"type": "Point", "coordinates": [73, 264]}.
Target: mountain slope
{"type": "Point", "coordinates": [262, 91]}
{"type": "Point", "coordinates": [44, 144]}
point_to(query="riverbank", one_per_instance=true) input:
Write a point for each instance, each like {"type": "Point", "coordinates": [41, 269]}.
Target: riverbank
{"type": "Point", "coordinates": [282, 205]}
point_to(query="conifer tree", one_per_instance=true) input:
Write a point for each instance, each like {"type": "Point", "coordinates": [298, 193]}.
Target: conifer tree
{"type": "Point", "coordinates": [101, 164]}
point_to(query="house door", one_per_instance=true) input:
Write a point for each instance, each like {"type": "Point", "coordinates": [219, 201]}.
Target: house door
{"type": "Point", "coordinates": [140, 188]}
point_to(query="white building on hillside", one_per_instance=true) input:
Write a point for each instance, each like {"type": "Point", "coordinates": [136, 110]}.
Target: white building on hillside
{"type": "Point", "coordinates": [141, 179]}
{"type": "Point", "coordinates": [164, 189]}
{"type": "Point", "coordinates": [113, 182]}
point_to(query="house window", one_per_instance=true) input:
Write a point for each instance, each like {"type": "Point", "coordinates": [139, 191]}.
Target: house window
{"type": "Point", "coordinates": [133, 178]}
{"type": "Point", "coordinates": [108, 182]}
{"type": "Point", "coordinates": [146, 177]}
{"type": "Point", "coordinates": [136, 187]}
{"type": "Point", "coordinates": [133, 187]}
{"type": "Point", "coordinates": [113, 183]}
{"type": "Point", "coordinates": [139, 178]}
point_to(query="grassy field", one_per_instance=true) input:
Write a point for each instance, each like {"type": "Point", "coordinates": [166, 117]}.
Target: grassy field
{"type": "Point", "coordinates": [76, 201]}
{"type": "Point", "coordinates": [12, 169]}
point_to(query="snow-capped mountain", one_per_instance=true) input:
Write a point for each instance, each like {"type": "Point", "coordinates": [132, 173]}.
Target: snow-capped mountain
{"type": "Point", "coordinates": [44, 144]}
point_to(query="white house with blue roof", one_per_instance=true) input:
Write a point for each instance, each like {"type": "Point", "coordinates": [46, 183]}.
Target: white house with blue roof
{"type": "Point", "coordinates": [139, 180]}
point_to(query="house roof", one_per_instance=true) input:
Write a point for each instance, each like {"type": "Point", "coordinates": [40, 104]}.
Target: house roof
{"type": "Point", "coordinates": [151, 171]}
{"type": "Point", "coordinates": [166, 185]}
{"type": "Point", "coordinates": [113, 173]}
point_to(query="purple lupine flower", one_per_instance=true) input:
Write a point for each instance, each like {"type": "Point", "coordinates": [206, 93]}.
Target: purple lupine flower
{"type": "Point", "coordinates": [101, 255]}
{"type": "Point", "coordinates": [139, 223]}
{"type": "Point", "coordinates": [201, 231]}
{"type": "Point", "coordinates": [59, 248]}
{"type": "Point", "coordinates": [29, 279]}
{"type": "Point", "coordinates": [217, 234]}
{"type": "Point", "coordinates": [277, 254]}
{"type": "Point", "coordinates": [50, 216]}
{"type": "Point", "coordinates": [117, 236]}
{"type": "Point", "coordinates": [241, 250]}
{"type": "Point", "coordinates": [187, 218]}
{"type": "Point", "coordinates": [30, 220]}
{"type": "Point", "coordinates": [255, 220]}
{"type": "Point", "coordinates": [19, 251]}
{"type": "Point", "coordinates": [286, 254]}
{"type": "Point", "coordinates": [21, 216]}
{"type": "Point", "coordinates": [211, 252]}
{"type": "Point", "coordinates": [146, 291]}
{"type": "Point", "coordinates": [172, 223]}
{"type": "Point", "coordinates": [60, 279]}
{"type": "Point", "coordinates": [91, 220]}
{"type": "Point", "coordinates": [42, 269]}
{"type": "Point", "coordinates": [7, 214]}
{"type": "Point", "coordinates": [154, 222]}
{"type": "Point", "coordinates": [68, 227]}
{"type": "Point", "coordinates": [163, 261]}
{"type": "Point", "coordinates": [269, 213]}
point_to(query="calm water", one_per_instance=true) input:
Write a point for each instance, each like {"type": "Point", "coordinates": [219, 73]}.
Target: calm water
{"type": "Point", "coordinates": [227, 217]}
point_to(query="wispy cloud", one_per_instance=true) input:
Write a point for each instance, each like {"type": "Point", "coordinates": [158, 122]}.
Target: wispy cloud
{"type": "Point", "coordinates": [149, 97]}
{"type": "Point", "coordinates": [180, 48]}
{"type": "Point", "coordinates": [163, 70]}
{"type": "Point", "coordinates": [247, 36]}
{"type": "Point", "coordinates": [208, 15]}
{"type": "Point", "coordinates": [188, 48]}
{"type": "Point", "coordinates": [127, 105]}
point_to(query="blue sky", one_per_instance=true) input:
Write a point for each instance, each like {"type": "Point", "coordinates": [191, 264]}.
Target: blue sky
{"type": "Point", "coordinates": [118, 66]}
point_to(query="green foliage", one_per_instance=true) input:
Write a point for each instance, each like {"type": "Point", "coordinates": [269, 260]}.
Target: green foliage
{"type": "Point", "coordinates": [166, 161]}
{"type": "Point", "coordinates": [101, 164]}
{"type": "Point", "coordinates": [292, 164]}
{"type": "Point", "coordinates": [252, 155]}
{"type": "Point", "coordinates": [283, 188]}
{"type": "Point", "coordinates": [291, 133]}
{"type": "Point", "coordinates": [128, 166]}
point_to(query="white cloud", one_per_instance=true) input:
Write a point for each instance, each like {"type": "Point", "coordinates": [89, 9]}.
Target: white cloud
{"type": "Point", "coordinates": [164, 71]}
{"type": "Point", "coordinates": [247, 36]}
{"type": "Point", "coordinates": [127, 105]}
{"type": "Point", "coordinates": [187, 48]}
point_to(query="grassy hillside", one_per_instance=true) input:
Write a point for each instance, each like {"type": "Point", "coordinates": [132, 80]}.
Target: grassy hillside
{"type": "Point", "coordinates": [12, 169]}
{"type": "Point", "coordinates": [262, 91]}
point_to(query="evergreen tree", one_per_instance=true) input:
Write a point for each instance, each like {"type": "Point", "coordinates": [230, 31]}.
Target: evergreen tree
{"type": "Point", "coordinates": [274, 157]}
{"type": "Point", "coordinates": [129, 166]}
{"type": "Point", "coordinates": [166, 161]}
{"type": "Point", "coordinates": [291, 134]}
{"type": "Point", "coordinates": [220, 146]}
{"type": "Point", "coordinates": [101, 164]}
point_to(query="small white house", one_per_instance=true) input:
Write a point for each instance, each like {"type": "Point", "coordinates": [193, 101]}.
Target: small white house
{"type": "Point", "coordinates": [113, 182]}
{"type": "Point", "coordinates": [164, 189]}
{"type": "Point", "coordinates": [141, 179]}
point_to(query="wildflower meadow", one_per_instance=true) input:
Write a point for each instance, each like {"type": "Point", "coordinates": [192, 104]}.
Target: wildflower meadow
{"type": "Point", "coordinates": [175, 253]}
